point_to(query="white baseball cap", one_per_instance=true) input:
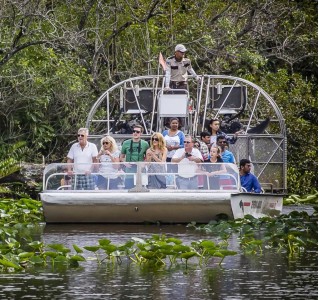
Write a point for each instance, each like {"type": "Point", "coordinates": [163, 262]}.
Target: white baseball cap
{"type": "Point", "coordinates": [180, 48]}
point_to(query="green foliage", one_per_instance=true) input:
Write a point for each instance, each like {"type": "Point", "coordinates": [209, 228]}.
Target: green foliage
{"type": "Point", "coordinates": [293, 199]}
{"type": "Point", "coordinates": [8, 166]}
{"type": "Point", "coordinates": [11, 154]}
{"type": "Point", "coordinates": [291, 92]}
{"type": "Point", "coordinates": [293, 233]}
{"type": "Point", "coordinates": [22, 211]}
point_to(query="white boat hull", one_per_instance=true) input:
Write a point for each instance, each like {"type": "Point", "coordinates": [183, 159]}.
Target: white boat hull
{"type": "Point", "coordinates": [163, 207]}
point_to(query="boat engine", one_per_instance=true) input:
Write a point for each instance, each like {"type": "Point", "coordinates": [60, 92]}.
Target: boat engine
{"type": "Point", "coordinates": [229, 125]}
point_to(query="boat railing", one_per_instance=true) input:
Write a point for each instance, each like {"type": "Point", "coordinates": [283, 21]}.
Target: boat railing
{"type": "Point", "coordinates": [214, 96]}
{"type": "Point", "coordinates": [141, 177]}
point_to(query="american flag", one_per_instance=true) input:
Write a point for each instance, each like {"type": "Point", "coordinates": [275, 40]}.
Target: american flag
{"type": "Point", "coordinates": [162, 62]}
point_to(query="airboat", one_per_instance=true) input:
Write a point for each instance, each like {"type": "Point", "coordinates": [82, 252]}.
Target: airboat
{"type": "Point", "coordinates": [237, 102]}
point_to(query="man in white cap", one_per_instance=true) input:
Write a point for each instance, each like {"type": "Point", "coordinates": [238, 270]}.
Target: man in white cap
{"type": "Point", "coordinates": [178, 68]}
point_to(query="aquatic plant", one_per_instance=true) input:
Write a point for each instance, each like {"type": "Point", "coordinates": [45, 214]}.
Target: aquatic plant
{"type": "Point", "coordinates": [159, 250]}
{"type": "Point", "coordinates": [20, 227]}
{"type": "Point", "coordinates": [297, 199]}
{"type": "Point", "coordinates": [156, 251]}
{"type": "Point", "coordinates": [293, 233]}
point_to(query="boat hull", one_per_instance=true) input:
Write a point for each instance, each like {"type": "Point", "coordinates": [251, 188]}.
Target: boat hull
{"type": "Point", "coordinates": [152, 207]}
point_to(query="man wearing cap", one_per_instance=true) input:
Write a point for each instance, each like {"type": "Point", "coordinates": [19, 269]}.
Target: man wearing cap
{"type": "Point", "coordinates": [178, 68]}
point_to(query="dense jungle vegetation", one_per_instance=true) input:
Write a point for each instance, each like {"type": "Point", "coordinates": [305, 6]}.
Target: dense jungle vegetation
{"type": "Point", "coordinates": [57, 57]}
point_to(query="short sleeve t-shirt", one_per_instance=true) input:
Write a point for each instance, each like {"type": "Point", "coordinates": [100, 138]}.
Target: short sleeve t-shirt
{"type": "Point", "coordinates": [213, 140]}
{"type": "Point", "coordinates": [228, 157]}
{"type": "Point", "coordinates": [134, 151]}
{"type": "Point", "coordinates": [83, 158]}
{"type": "Point", "coordinates": [175, 140]}
{"type": "Point", "coordinates": [107, 166]}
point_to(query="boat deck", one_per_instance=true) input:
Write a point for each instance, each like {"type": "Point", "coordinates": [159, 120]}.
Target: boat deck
{"type": "Point", "coordinates": [62, 203]}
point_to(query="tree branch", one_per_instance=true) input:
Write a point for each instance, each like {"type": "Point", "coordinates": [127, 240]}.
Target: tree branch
{"type": "Point", "coordinates": [216, 17]}
{"type": "Point", "coordinates": [15, 50]}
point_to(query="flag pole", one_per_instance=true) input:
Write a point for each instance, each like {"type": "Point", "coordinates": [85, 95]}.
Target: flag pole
{"type": "Point", "coordinates": [161, 62]}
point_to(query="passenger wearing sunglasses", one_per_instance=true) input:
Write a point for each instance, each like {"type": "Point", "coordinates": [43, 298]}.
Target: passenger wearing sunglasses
{"type": "Point", "coordinates": [109, 157]}
{"type": "Point", "coordinates": [187, 160]}
{"type": "Point", "coordinates": [82, 154]}
{"type": "Point", "coordinates": [133, 150]}
{"type": "Point", "coordinates": [227, 156]}
{"type": "Point", "coordinates": [156, 155]}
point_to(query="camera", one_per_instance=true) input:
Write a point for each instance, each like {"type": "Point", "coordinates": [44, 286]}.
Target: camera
{"type": "Point", "coordinates": [188, 154]}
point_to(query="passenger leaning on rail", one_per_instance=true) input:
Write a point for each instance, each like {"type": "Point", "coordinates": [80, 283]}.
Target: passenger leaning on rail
{"type": "Point", "coordinates": [178, 67]}
{"type": "Point", "coordinates": [109, 157]}
{"type": "Point", "coordinates": [82, 154]}
{"type": "Point", "coordinates": [133, 150]}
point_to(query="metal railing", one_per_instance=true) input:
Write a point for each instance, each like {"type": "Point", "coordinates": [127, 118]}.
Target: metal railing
{"type": "Point", "coordinates": [142, 177]}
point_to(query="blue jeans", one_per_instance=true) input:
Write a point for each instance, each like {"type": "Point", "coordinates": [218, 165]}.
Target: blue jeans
{"type": "Point", "coordinates": [103, 184]}
{"type": "Point", "coordinates": [129, 182]}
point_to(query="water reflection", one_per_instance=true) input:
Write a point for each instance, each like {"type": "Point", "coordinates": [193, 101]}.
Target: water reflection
{"type": "Point", "coordinates": [267, 276]}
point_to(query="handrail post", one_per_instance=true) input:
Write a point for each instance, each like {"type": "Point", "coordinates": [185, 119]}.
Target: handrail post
{"type": "Point", "coordinates": [139, 186]}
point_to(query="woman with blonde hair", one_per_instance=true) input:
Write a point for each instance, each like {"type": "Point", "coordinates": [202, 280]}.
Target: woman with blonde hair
{"type": "Point", "coordinates": [157, 153]}
{"type": "Point", "coordinates": [109, 157]}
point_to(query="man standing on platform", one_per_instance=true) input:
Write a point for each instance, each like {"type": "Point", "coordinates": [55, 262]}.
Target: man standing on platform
{"type": "Point", "coordinates": [177, 69]}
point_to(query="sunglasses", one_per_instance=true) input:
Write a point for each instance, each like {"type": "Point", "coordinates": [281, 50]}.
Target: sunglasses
{"type": "Point", "coordinates": [81, 135]}
{"type": "Point", "coordinates": [106, 143]}
{"type": "Point", "coordinates": [187, 142]}
{"type": "Point", "coordinates": [136, 131]}
{"type": "Point", "coordinates": [222, 142]}
{"type": "Point", "coordinates": [155, 139]}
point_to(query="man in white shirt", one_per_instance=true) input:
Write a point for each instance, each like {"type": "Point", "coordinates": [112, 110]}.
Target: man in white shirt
{"type": "Point", "coordinates": [82, 154]}
{"type": "Point", "coordinates": [187, 159]}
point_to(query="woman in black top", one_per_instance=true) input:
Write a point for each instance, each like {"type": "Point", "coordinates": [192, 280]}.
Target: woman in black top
{"type": "Point", "coordinates": [212, 170]}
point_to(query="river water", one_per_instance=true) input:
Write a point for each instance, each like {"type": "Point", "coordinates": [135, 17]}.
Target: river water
{"type": "Point", "coordinates": [270, 275]}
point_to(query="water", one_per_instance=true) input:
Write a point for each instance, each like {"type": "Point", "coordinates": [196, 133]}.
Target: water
{"type": "Point", "coordinates": [268, 276]}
